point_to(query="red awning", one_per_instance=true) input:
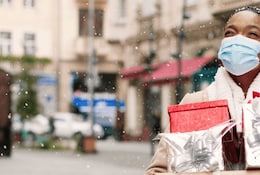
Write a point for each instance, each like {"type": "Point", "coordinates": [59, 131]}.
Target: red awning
{"type": "Point", "coordinates": [138, 71]}
{"type": "Point", "coordinates": [168, 72]}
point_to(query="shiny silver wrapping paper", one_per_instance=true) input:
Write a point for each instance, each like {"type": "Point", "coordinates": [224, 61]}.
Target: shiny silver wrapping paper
{"type": "Point", "coordinates": [251, 120]}
{"type": "Point", "coordinates": [197, 151]}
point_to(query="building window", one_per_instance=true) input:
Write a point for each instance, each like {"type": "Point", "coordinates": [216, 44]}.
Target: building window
{"type": "Point", "coordinates": [98, 22]}
{"type": "Point", "coordinates": [28, 3]}
{"type": "Point", "coordinates": [122, 11]}
{"type": "Point", "coordinates": [148, 7]}
{"type": "Point", "coordinates": [5, 3]}
{"type": "Point", "coordinates": [29, 44]}
{"type": "Point", "coordinates": [190, 3]}
{"type": "Point", "coordinates": [107, 82]}
{"type": "Point", "coordinates": [5, 43]}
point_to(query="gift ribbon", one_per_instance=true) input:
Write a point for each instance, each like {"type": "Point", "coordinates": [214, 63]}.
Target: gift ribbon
{"type": "Point", "coordinates": [198, 155]}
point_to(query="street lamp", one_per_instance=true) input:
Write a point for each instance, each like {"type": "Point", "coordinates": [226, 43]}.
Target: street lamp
{"type": "Point", "coordinates": [178, 55]}
{"type": "Point", "coordinates": [151, 39]}
{"type": "Point", "coordinates": [89, 142]}
{"type": "Point", "coordinates": [152, 104]}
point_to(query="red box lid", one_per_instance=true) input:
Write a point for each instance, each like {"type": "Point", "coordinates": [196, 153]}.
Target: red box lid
{"type": "Point", "coordinates": [197, 116]}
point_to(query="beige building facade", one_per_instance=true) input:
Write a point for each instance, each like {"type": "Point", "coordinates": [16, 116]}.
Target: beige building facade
{"type": "Point", "coordinates": [126, 33]}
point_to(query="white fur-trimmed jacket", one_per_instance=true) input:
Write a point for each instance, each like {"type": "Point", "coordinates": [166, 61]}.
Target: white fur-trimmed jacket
{"type": "Point", "coordinates": [222, 88]}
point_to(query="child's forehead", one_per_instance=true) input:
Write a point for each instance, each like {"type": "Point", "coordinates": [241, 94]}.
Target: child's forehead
{"type": "Point", "coordinates": [245, 18]}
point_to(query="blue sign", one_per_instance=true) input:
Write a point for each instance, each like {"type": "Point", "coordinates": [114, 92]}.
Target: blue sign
{"type": "Point", "coordinates": [105, 107]}
{"type": "Point", "coordinates": [44, 80]}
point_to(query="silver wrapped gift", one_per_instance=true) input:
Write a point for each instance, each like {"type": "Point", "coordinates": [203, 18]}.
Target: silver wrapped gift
{"type": "Point", "coordinates": [251, 120]}
{"type": "Point", "coordinates": [197, 151]}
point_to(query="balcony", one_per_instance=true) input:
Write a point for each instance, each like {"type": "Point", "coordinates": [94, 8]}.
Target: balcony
{"type": "Point", "coordinates": [100, 45]}
{"type": "Point", "coordinates": [98, 3]}
{"type": "Point", "coordinates": [223, 8]}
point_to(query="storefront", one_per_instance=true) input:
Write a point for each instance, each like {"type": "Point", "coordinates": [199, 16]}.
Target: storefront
{"type": "Point", "coordinates": [155, 88]}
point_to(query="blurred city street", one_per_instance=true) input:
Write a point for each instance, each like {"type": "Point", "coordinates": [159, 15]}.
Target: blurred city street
{"type": "Point", "coordinates": [112, 157]}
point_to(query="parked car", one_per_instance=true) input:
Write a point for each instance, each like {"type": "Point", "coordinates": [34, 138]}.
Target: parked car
{"type": "Point", "coordinates": [67, 125]}
{"type": "Point", "coordinates": [35, 129]}
{"type": "Point", "coordinates": [38, 125]}
{"type": "Point", "coordinates": [60, 125]}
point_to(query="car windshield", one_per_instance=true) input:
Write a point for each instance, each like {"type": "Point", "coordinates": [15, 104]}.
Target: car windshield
{"type": "Point", "coordinates": [67, 116]}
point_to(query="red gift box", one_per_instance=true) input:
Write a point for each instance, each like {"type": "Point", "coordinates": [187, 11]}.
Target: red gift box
{"type": "Point", "coordinates": [197, 116]}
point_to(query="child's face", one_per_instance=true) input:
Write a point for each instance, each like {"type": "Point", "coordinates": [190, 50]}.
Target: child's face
{"type": "Point", "coordinates": [246, 23]}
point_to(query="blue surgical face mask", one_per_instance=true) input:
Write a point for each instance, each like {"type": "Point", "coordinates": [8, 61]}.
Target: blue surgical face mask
{"type": "Point", "coordinates": [239, 54]}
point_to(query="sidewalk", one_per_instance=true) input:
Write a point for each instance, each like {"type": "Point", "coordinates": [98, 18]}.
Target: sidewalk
{"type": "Point", "coordinates": [125, 157]}
{"type": "Point", "coordinates": [112, 158]}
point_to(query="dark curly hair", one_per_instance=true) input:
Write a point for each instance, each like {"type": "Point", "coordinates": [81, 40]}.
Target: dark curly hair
{"type": "Point", "coordinates": [253, 9]}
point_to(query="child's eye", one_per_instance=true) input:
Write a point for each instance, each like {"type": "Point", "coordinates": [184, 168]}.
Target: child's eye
{"type": "Point", "coordinates": [253, 35]}
{"type": "Point", "coordinates": [229, 33]}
